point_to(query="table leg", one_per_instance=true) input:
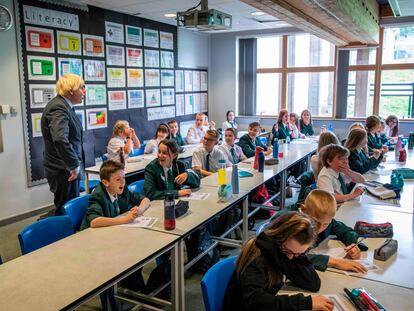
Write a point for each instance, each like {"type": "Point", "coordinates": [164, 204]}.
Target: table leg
{"type": "Point", "coordinates": [245, 226]}
{"type": "Point", "coordinates": [282, 196]}
{"type": "Point", "coordinates": [86, 182]}
{"type": "Point", "coordinates": [177, 277]}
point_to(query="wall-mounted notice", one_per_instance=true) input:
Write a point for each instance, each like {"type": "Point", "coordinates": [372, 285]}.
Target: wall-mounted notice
{"type": "Point", "coordinates": [39, 39]}
{"type": "Point", "coordinates": [133, 35]}
{"type": "Point", "coordinates": [50, 18]}
{"type": "Point", "coordinates": [96, 118]}
{"type": "Point", "coordinates": [81, 115]}
{"type": "Point", "coordinates": [166, 40]}
{"type": "Point", "coordinates": [152, 77]}
{"type": "Point", "coordinates": [196, 107]}
{"type": "Point", "coordinates": [116, 100]}
{"type": "Point", "coordinates": [203, 102]}
{"type": "Point", "coordinates": [135, 77]}
{"type": "Point", "coordinates": [167, 59]}
{"type": "Point", "coordinates": [203, 81]}
{"type": "Point", "coordinates": [189, 103]}
{"type": "Point", "coordinates": [179, 104]}
{"type": "Point", "coordinates": [135, 99]}
{"type": "Point", "coordinates": [152, 58]}
{"type": "Point", "coordinates": [116, 77]}
{"type": "Point", "coordinates": [114, 32]}
{"type": "Point", "coordinates": [94, 70]}
{"type": "Point", "coordinates": [134, 57]}
{"type": "Point", "coordinates": [69, 43]}
{"type": "Point", "coordinates": [179, 81]}
{"type": "Point", "coordinates": [153, 98]}
{"type": "Point", "coordinates": [167, 78]}
{"type": "Point", "coordinates": [70, 65]}
{"type": "Point", "coordinates": [196, 81]}
{"type": "Point", "coordinates": [93, 46]}
{"type": "Point", "coordinates": [36, 124]}
{"type": "Point", "coordinates": [41, 94]}
{"type": "Point", "coordinates": [188, 78]}
{"type": "Point", "coordinates": [95, 95]}
{"type": "Point", "coordinates": [167, 96]}
{"type": "Point", "coordinates": [151, 38]}
{"type": "Point", "coordinates": [115, 55]}
{"type": "Point", "coordinates": [41, 68]}
{"type": "Point", "coordinates": [161, 113]}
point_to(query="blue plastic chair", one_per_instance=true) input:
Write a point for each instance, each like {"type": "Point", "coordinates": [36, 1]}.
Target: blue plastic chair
{"type": "Point", "coordinates": [262, 227]}
{"type": "Point", "coordinates": [214, 283]}
{"type": "Point", "coordinates": [76, 209]}
{"type": "Point", "coordinates": [263, 140]}
{"type": "Point", "coordinates": [92, 184]}
{"type": "Point", "coordinates": [136, 186]}
{"type": "Point", "coordinates": [44, 232]}
{"type": "Point", "coordinates": [137, 151]}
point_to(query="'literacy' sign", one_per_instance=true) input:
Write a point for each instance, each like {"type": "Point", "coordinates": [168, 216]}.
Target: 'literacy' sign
{"type": "Point", "coordinates": [51, 18]}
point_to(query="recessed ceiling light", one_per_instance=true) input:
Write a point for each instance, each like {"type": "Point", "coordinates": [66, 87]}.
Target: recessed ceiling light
{"type": "Point", "coordinates": [170, 15]}
{"type": "Point", "coordinates": [258, 13]}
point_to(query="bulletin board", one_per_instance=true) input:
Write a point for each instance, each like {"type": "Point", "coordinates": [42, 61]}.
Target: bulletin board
{"type": "Point", "coordinates": [129, 65]}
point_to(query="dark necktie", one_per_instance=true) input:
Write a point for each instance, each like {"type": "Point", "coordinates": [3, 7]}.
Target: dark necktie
{"type": "Point", "coordinates": [208, 162]}
{"type": "Point", "coordinates": [170, 180]}
{"type": "Point", "coordinates": [233, 155]}
{"type": "Point", "coordinates": [344, 188]}
{"type": "Point", "coordinates": [116, 205]}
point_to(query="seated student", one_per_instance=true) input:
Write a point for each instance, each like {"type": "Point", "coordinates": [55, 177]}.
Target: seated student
{"type": "Point", "coordinates": [334, 159]}
{"type": "Point", "coordinates": [174, 133]}
{"type": "Point", "coordinates": [305, 123]}
{"type": "Point", "coordinates": [166, 173]}
{"type": "Point", "coordinates": [392, 128]}
{"type": "Point", "coordinates": [355, 125]}
{"type": "Point", "coordinates": [248, 142]}
{"type": "Point", "coordinates": [294, 123]}
{"type": "Point", "coordinates": [372, 126]}
{"type": "Point", "coordinates": [266, 260]}
{"type": "Point", "coordinates": [282, 129]}
{"type": "Point", "coordinates": [233, 152]}
{"type": "Point", "coordinates": [320, 205]}
{"type": "Point", "coordinates": [358, 158]}
{"type": "Point", "coordinates": [230, 122]}
{"type": "Point", "coordinates": [161, 133]}
{"type": "Point", "coordinates": [196, 132]}
{"type": "Point", "coordinates": [123, 137]}
{"type": "Point", "coordinates": [325, 139]}
{"type": "Point", "coordinates": [206, 158]}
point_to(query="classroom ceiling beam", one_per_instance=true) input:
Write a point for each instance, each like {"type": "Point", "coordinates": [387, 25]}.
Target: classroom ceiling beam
{"type": "Point", "coordinates": [344, 23]}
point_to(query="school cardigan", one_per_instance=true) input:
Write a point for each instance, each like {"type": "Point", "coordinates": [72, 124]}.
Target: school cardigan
{"type": "Point", "coordinates": [155, 185]}
{"type": "Point", "coordinates": [361, 163]}
{"type": "Point", "coordinates": [249, 146]}
{"type": "Point", "coordinates": [307, 129]}
{"type": "Point", "coordinates": [178, 139]}
{"type": "Point", "coordinates": [100, 204]}
{"type": "Point", "coordinates": [374, 142]}
{"type": "Point", "coordinates": [250, 290]}
{"type": "Point", "coordinates": [282, 131]}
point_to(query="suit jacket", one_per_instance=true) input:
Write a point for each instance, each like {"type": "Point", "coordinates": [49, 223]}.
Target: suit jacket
{"type": "Point", "coordinates": [62, 135]}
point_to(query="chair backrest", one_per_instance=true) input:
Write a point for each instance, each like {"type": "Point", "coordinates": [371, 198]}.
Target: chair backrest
{"type": "Point", "coordinates": [76, 209]}
{"type": "Point", "coordinates": [262, 227]}
{"type": "Point", "coordinates": [44, 232]}
{"type": "Point", "coordinates": [136, 186]}
{"type": "Point", "coordinates": [214, 283]}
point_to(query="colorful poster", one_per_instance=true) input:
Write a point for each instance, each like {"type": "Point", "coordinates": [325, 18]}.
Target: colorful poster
{"type": "Point", "coordinates": [167, 78]}
{"type": "Point", "coordinates": [93, 46]}
{"type": "Point", "coordinates": [133, 35]}
{"type": "Point", "coordinates": [70, 65]}
{"type": "Point", "coordinates": [167, 97]}
{"type": "Point", "coordinates": [41, 68]}
{"type": "Point", "coordinates": [152, 58]}
{"type": "Point", "coordinates": [50, 18]}
{"type": "Point", "coordinates": [116, 100]}
{"type": "Point", "coordinates": [135, 77]}
{"type": "Point", "coordinates": [116, 77]}
{"type": "Point", "coordinates": [115, 55]}
{"type": "Point", "coordinates": [81, 116]}
{"type": "Point", "coordinates": [179, 104]}
{"type": "Point", "coordinates": [134, 57]}
{"type": "Point", "coordinates": [151, 38]}
{"type": "Point", "coordinates": [196, 81]}
{"type": "Point", "coordinates": [152, 77]}
{"type": "Point", "coordinates": [94, 70]}
{"type": "Point", "coordinates": [161, 113]}
{"type": "Point", "coordinates": [189, 103]}
{"type": "Point", "coordinates": [167, 59]}
{"type": "Point", "coordinates": [41, 94]}
{"type": "Point", "coordinates": [114, 32]}
{"type": "Point", "coordinates": [96, 118]}
{"type": "Point", "coordinates": [69, 43]}
{"type": "Point", "coordinates": [188, 78]}
{"type": "Point", "coordinates": [135, 98]}
{"type": "Point", "coordinates": [39, 39]}
{"type": "Point", "coordinates": [196, 107]}
{"type": "Point", "coordinates": [36, 124]}
{"type": "Point", "coordinates": [179, 81]}
{"type": "Point", "coordinates": [152, 98]}
{"type": "Point", "coordinates": [203, 102]}
{"type": "Point", "coordinates": [95, 95]}
{"type": "Point", "coordinates": [203, 81]}
{"type": "Point", "coordinates": [166, 40]}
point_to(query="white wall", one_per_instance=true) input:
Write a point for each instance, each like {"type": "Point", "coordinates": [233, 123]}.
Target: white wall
{"type": "Point", "coordinates": [193, 49]}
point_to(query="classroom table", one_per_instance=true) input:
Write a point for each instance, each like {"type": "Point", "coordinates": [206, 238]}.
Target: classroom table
{"type": "Point", "coordinates": [65, 274]}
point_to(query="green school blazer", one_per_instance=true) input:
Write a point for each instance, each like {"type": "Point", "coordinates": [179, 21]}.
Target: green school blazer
{"type": "Point", "coordinates": [281, 133]}
{"type": "Point", "coordinates": [249, 146]}
{"type": "Point", "coordinates": [374, 142]}
{"type": "Point", "coordinates": [361, 163]}
{"type": "Point", "coordinates": [307, 129]}
{"type": "Point", "coordinates": [178, 139]}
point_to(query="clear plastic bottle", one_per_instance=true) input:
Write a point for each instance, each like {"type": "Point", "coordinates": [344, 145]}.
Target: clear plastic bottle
{"type": "Point", "coordinates": [222, 172]}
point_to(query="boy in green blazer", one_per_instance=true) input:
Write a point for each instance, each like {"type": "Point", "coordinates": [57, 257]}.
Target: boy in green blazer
{"type": "Point", "coordinates": [248, 142]}
{"type": "Point", "coordinates": [174, 134]}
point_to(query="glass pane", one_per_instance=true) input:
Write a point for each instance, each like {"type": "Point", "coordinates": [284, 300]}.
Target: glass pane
{"type": "Point", "coordinates": [362, 57]}
{"type": "Point", "coordinates": [398, 46]}
{"type": "Point", "coordinates": [268, 93]}
{"type": "Point", "coordinates": [306, 50]}
{"type": "Point", "coordinates": [397, 91]}
{"type": "Point", "coordinates": [310, 90]}
{"type": "Point", "coordinates": [360, 94]}
{"type": "Point", "coordinates": [269, 52]}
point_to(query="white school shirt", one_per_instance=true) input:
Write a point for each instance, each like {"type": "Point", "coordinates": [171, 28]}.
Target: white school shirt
{"type": "Point", "coordinates": [199, 159]}
{"type": "Point", "coordinates": [227, 124]}
{"type": "Point", "coordinates": [152, 146]}
{"type": "Point", "coordinates": [315, 165]}
{"type": "Point", "coordinates": [114, 144]}
{"type": "Point", "coordinates": [295, 131]}
{"type": "Point", "coordinates": [328, 181]}
{"type": "Point", "coordinates": [196, 134]}
{"type": "Point", "coordinates": [225, 148]}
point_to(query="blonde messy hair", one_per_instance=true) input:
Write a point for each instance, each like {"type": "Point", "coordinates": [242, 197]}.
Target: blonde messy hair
{"type": "Point", "coordinates": [67, 83]}
{"type": "Point", "coordinates": [320, 203]}
{"type": "Point", "coordinates": [120, 127]}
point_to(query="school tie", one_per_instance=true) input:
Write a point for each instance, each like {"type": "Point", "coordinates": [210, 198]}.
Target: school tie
{"type": "Point", "coordinates": [208, 162]}
{"type": "Point", "coordinates": [344, 188]}
{"type": "Point", "coordinates": [170, 180]}
{"type": "Point", "coordinates": [116, 205]}
{"type": "Point", "coordinates": [233, 155]}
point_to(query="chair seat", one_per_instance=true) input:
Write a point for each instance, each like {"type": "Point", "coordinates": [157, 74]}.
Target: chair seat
{"type": "Point", "coordinates": [92, 184]}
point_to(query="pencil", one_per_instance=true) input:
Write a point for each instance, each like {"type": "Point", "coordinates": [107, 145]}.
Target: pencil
{"type": "Point", "coordinates": [358, 243]}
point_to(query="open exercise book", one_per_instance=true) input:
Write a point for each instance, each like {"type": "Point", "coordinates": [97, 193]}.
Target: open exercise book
{"type": "Point", "coordinates": [142, 222]}
{"type": "Point", "coordinates": [378, 190]}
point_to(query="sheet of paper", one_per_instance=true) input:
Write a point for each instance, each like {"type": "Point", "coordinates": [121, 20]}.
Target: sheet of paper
{"type": "Point", "coordinates": [199, 196]}
{"type": "Point", "coordinates": [339, 305]}
{"type": "Point", "coordinates": [365, 262]}
{"type": "Point", "coordinates": [142, 222]}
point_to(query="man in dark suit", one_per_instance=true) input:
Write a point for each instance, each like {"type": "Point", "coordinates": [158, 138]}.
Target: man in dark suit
{"type": "Point", "coordinates": [62, 135]}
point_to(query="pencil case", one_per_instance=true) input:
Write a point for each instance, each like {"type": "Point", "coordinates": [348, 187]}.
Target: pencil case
{"type": "Point", "coordinates": [181, 208]}
{"type": "Point", "coordinates": [369, 230]}
{"type": "Point", "coordinates": [386, 250]}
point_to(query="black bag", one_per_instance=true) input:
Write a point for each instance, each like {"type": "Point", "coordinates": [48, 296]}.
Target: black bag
{"type": "Point", "coordinates": [158, 277]}
{"type": "Point", "coordinates": [204, 240]}
{"type": "Point", "coordinates": [181, 208]}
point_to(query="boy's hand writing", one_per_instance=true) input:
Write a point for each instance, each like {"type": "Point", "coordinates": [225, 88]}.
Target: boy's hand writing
{"type": "Point", "coordinates": [322, 303]}
{"type": "Point", "coordinates": [352, 251]}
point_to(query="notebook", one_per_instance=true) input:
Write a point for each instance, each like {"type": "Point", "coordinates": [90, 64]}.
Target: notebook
{"type": "Point", "coordinates": [382, 192]}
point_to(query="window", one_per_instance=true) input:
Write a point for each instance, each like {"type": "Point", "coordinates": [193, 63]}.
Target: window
{"type": "Point", "coordinates": [362, 57]}
{"type": "Point", "coordinates": [269, 52]}
{"type": "Point", "coordinates": [268, 94]}
{"type": "Point", "coordinates": [360, 94]}
{"type": "Point", "coordinates": [398, 45]}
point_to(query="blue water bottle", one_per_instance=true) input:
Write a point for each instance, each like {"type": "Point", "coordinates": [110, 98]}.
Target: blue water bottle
{"type": "Point", "coordinates": [261, 161]}
{"type": "Point", "coordinates": [275, 149]}
{"type": "Point", "coordinates": [235, 179]}
{"type": "Point", "coordinates": [330, 128]}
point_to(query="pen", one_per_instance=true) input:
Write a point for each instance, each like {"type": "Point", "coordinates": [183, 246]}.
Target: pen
{"type": "Point", "coordinates": [368, 301]}
{"type": "Point", "coordinates": [358, 304]}
{"type": "Point", "coordinates": [358, 243]}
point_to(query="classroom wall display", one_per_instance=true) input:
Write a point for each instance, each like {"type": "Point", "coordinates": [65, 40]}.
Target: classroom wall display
{"type": "Point", "coordinates": [93, 46]}
{"type": "Point", "coordinates": [189, 104]}
{"type": "Point", "coordinates": [117, 100]}
{"type": "Point", "coordinates": [81, 115]}
{"type": "Point", "coordinates": [152, 97]}
{"type": "Point", "coordinates": [167, 97]}
{"type": "Point", "coordinates": [40, 39]}
{"type": "Point", "coordinates": [135, 77]}
{"type": "Point", "coordinates": [69, 43]}
{"type": "Point", "coordinates": [152, 77]}
{"type": "Point", "coordinates": [191, 89]}
{"type": "Point", "coordinates": [115, 55]}
{"type": "Point", "coordinates": [151, 38]}
{"type": "Point", "coordinates": [203, 81]}
{"type": "Point", "coordinates": [188, 81]}
{"type": "Point", "coordinates": [135, 99]}
{"type": "Point", "coordinates": [51, 18]}
{"type": "Point", "coordinates": [94, 70]}
{"type": "Point", "coordinates": [96, 118]}
{"type": "Point", "coordinates": [41, 68]}
{"type": "Point", "coordinates": [152, 58]}
{"type": "Point", "coordinates": [70, 65]}
{"type": "Point", "coordinates": [196, 81]}
{"type": "Point", "coordinates": [114, 32]}
{"type": "Point", "coordinates": [167, 59]}
{"type": "Point", "coordinates": [134, 57]}
{"type": "Point", "coordinates": [197, 103]}
{"type": "Point", "coordinates": [41, 94]}
{"type": "Point", "coordinates": [133, 35]}
{"type": "Point", "coordinates": [95, 95]}
{"type": "Point", "coordinates": [166, 40]}
{"type": "Point", "coordinates": [203, 102]}
{"type": "Point", "coordinates": [179, 81]}
{"type": "Point", "coordinates": [167, 78]}
{"type": "Point", "coordinates": [161, 113]}
{"type": "Point", "coordinates": [36, 127]}
{"type": "Point", "coordinates": [116, 77]}
{"type": "Point", "coordinates": [179, 105]}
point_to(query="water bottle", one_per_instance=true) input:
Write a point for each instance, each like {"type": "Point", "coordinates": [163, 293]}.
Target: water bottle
{"type": "Point", "coordinates": [256, 155]}
{"type": "Point", "coordinates": [398, 147]}
{"type": "Point", "coordinates": [397, 180]}
{"type": "Point", "coordinates": [235, 179]}
{"type": "Point", "coordinates": [222, 172]}
{"type": "Point", "coordinates": [169, 211]}
{"type": "Point", "coordinates": [281, 146]}
{"type": "Point", "coordinates": [288, 140]}
{"type": "Point", "coordinates": [275, 148]}
{"type": "Point", "coordinates": [260, 162]}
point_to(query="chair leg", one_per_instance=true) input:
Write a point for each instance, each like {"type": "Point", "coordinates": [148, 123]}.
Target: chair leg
{"type": "Point", "coordinates": [108, 301]}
